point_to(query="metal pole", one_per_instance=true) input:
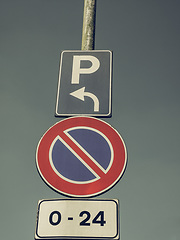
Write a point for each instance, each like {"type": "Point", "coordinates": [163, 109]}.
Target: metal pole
{"type": "Point", "coordinates": [88, 31]}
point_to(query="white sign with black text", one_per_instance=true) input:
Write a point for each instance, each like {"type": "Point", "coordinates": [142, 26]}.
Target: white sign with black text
{"type": "Point", "coordinates": [76, 219]}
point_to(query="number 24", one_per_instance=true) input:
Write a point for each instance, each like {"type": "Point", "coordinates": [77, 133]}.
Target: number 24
{"type": "Point", "coordinates": [98, 219]}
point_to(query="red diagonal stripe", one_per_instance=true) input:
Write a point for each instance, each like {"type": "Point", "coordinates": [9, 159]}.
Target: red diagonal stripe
{"type": "Point", "coordinates": [82, 154]}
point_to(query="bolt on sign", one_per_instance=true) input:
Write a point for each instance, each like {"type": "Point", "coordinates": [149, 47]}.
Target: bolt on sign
{"type": "Point", "coordinates": [84, 86]}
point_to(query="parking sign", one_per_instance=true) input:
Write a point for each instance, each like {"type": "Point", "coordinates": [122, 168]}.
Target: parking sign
{"type": "Point", "coordinates": [84, 86]}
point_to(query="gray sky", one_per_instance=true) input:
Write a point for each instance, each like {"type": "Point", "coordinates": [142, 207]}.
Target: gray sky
{"type": "Point", "coordinates": [144, 37]}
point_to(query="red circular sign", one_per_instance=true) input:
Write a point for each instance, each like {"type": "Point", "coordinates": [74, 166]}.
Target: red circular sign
{"type": "Point", "coordinates": [81, 156]}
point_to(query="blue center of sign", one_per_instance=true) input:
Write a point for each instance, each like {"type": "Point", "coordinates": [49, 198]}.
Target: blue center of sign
{"type": "Point", "coordinates": [70, 165]}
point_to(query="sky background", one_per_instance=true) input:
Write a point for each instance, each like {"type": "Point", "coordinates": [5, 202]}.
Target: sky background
{"type": "Point", "coordinates": [144, 36]}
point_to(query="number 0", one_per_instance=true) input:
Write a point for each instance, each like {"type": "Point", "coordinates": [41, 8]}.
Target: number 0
{"type": "Point", "coordinates": [51, 220]}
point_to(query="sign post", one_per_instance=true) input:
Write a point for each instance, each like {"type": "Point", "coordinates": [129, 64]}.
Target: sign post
{"type": "Point", "coordinates": [81, 156]}
{"type": "Point", "coordinates": [89, 19]}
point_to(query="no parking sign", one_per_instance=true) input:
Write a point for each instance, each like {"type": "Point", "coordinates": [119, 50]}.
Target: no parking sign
{"type": "Point", "coordinates": [81, 156]}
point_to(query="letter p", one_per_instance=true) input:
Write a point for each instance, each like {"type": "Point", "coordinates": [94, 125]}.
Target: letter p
{"type": "Point", "coordinates": [77, 70]}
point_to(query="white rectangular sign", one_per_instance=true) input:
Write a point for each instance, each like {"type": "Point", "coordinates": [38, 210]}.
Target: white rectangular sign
{"type": "Point", "coordinates": [77, 219]}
